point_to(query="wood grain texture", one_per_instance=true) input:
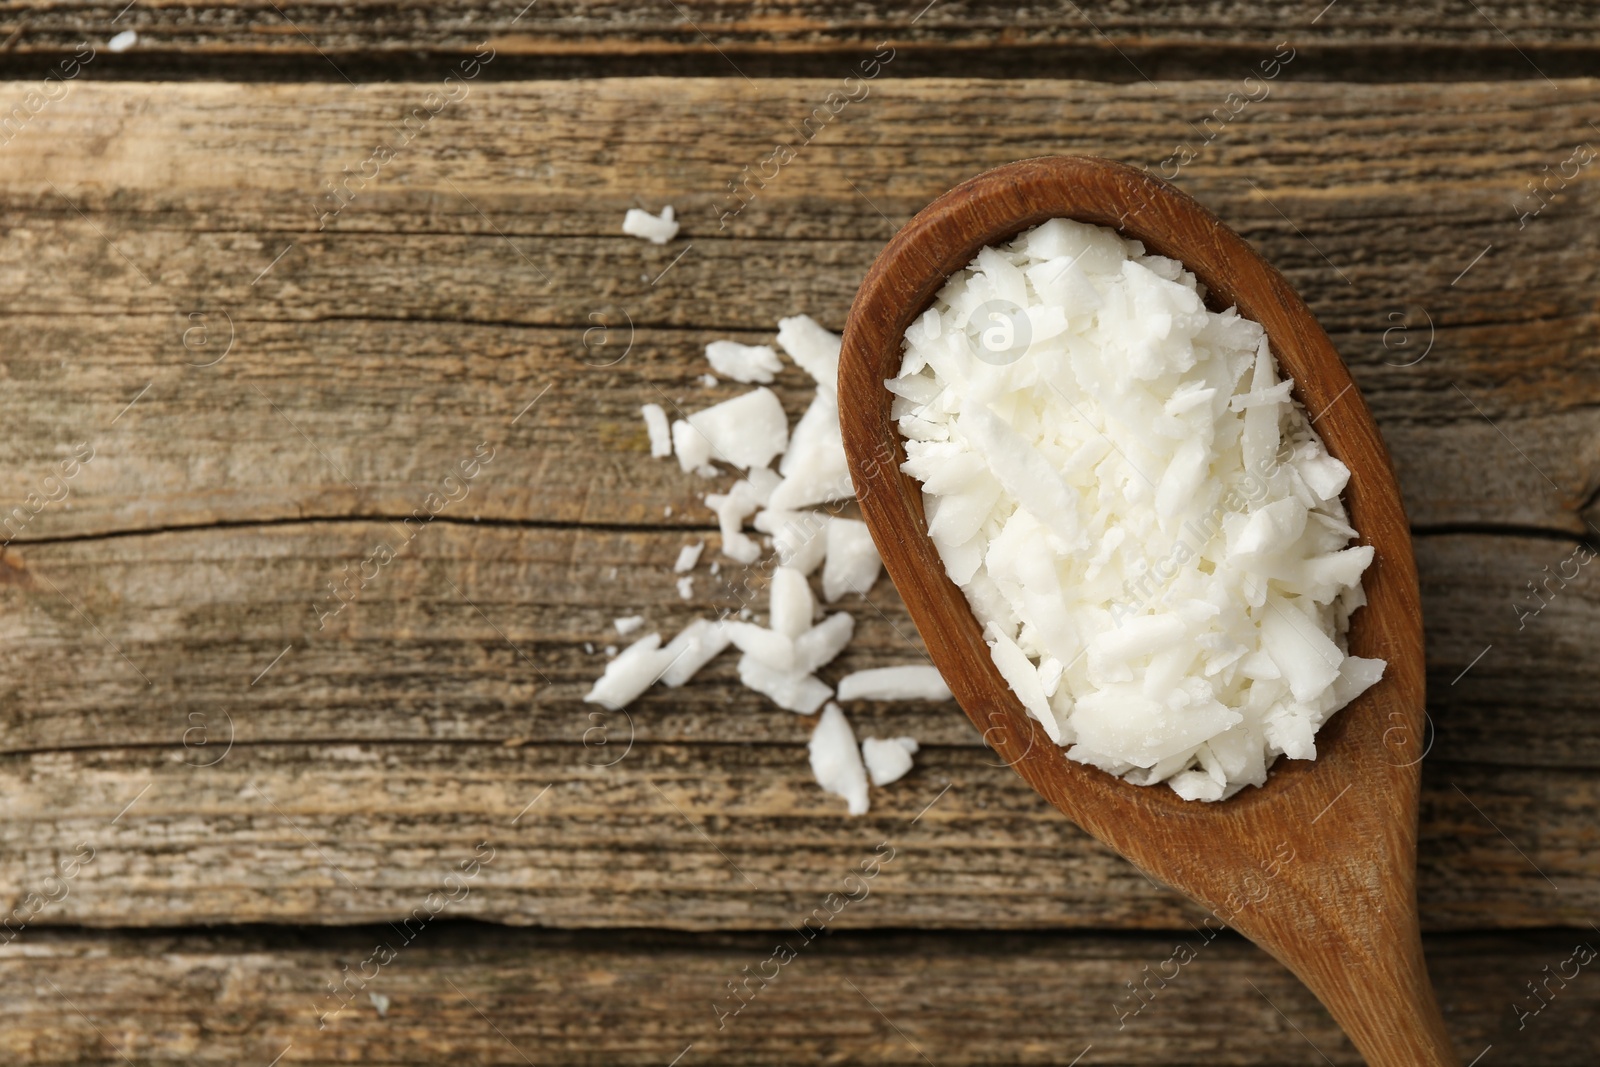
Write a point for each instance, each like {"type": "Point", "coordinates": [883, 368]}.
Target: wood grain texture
{"type": "Point", "coordinates": [686, 836]}
{"type": "Point", "coordinates": [462, 994]}
{"type": "Point", "coordinates": [556, 27]}
{"type": "Point", "coordinates": [477, 633]}
{"type": "Point", "coordinates": [1399, 188]}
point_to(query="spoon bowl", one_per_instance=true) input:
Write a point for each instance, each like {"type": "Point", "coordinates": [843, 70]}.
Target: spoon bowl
{"type": "Point", "coordinates": [1317, 866]}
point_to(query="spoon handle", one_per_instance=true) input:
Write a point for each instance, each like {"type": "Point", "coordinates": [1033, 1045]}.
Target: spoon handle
{"type": "Point", "coordinates": [1386, 1004]}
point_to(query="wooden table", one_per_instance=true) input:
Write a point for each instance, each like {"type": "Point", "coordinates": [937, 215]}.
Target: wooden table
{"type": "Point", "coordinates": [220, 395]}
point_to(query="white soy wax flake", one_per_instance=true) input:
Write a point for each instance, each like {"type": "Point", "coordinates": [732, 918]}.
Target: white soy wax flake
{"type": "Point", "coordinates": [698, 644]}
{"type": "Point", "coordinates": [630, 674]}
{"type": "Point", "coordinates": [657, 229]}
{"type": "Point", "coordinates": [836, 762]}
{"type": "Point", "coordinates": [813, 347]}
{"type": "Point", "coordinates": [790, 690]}
{"type": "Point", "coordinates": [814, 468]}
{"type": "Point", "coordinates": [757, 364]}
{"type": "Point", "coordinates": [792, 605]}
{"type": "Point", "coordinates": [732, 509]}
{"type": "Point", "coordinates": [894, 683]}
{"type": "Point", "coordinates": [852, 563]}
{"type": "Point", "coordinates": [799, 537]}
{"type": "Point", "coordinates": [888, 759]}
{"type": "Point", "coordinates": [818, 646]}
{"type": "Point", "coordinates": [655, 424]}
{"type": "Point", "coordinates": [1138, 511]}
{"type": "Point", "coordinates": [692, 447]}
{"type": "Point", "coordinates": [747, 431]}
{"type": "Point", "coordinates": [768, 647]}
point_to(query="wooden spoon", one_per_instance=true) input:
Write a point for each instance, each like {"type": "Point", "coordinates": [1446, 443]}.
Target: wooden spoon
{"type": "Point", "coordinates": [1318, 866]}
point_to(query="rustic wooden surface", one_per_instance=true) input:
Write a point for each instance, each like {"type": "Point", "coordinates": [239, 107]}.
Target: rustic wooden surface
{"type": "Point", "coordinates": [376, 353]}
{"type": "Point", "coordinates": [489, 996]}
{"type": "Point", "coordinates": [1371, 40]}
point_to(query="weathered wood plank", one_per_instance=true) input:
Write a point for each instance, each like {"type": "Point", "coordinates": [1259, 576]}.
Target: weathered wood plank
{"type": "Point", "coordinates": [692, 836]}
{"type": "Point", "coordinates": [1497, 652]}
{"type": "Point", "coordinates": [205, 445]}
{"type": "Point", "coordinates": [478, 633]}
{"type": "Point", "coordinates": [561, 27]}
{"type": "Point", "coordinates": [465, 994]}
{"type": "Point", "coordinates": [1378, 201]}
